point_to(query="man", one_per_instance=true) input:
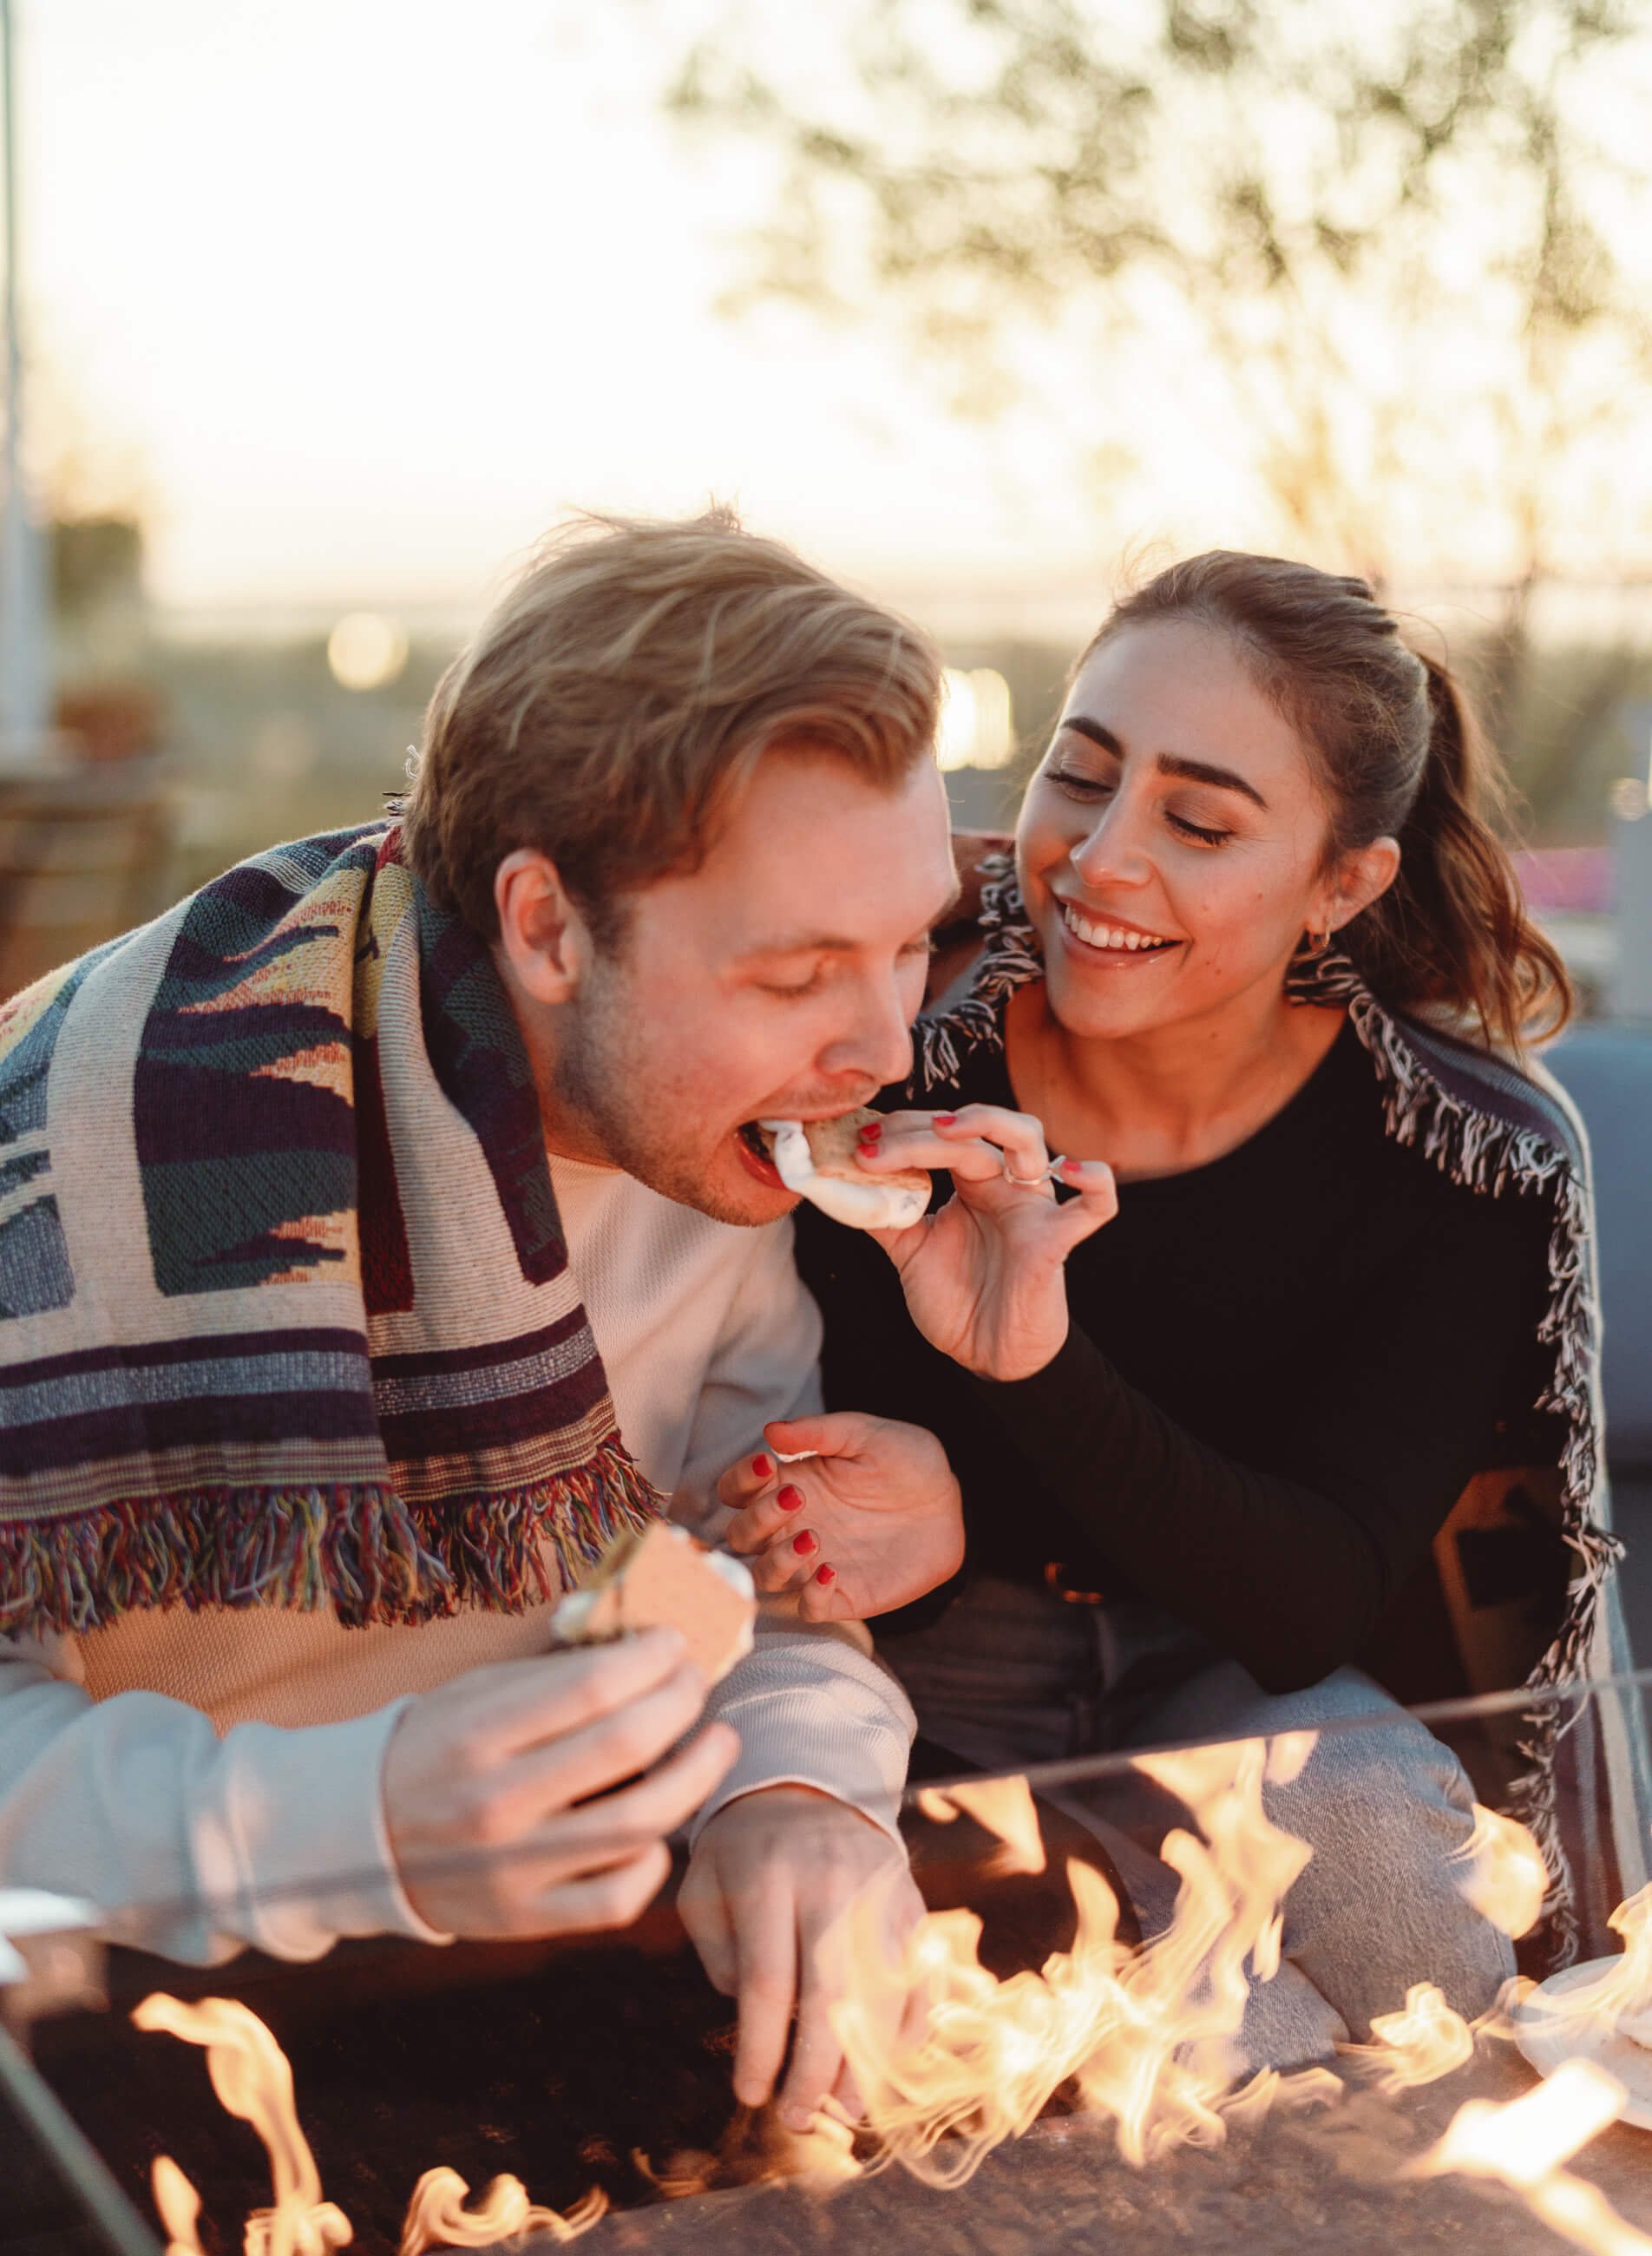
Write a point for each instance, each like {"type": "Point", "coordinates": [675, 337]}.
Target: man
{"type": "Point", "coordinates": [376, 1236]}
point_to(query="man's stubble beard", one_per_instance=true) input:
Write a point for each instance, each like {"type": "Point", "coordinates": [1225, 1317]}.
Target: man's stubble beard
{"type": "Point", "coordinates": [601, 1085]}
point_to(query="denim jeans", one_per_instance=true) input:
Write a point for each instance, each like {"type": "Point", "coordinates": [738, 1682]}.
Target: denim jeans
{"type": "Point", "coordinates": [1011, 1675]}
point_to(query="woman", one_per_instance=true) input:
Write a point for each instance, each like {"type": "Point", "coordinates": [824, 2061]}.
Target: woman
{"type": "Point", "coordinates": [1206, 1448]}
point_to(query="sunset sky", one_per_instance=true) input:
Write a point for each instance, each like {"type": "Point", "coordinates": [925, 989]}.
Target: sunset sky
{"type": "Point", "coordinates": [353, 297]}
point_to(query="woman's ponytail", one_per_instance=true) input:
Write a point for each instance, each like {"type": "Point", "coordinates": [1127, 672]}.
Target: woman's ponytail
{"type": "Point", "coordinates": [1451, 933]}
{"type": "Point", "coordinates": [1400, 755]}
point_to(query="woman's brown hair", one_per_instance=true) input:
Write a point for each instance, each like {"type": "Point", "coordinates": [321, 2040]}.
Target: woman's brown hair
{"type": "Point", "coordinates": [1400, 755]}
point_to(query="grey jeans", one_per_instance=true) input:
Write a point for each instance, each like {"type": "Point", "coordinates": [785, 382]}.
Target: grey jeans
{"type": "Point", "coordinates": [1011, 1675]}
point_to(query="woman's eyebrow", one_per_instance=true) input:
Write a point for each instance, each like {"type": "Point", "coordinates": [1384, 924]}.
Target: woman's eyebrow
{"type": "Point", "coordinates": [1170, 764]}
{"type": "Point", "coordinates": [1081, 726]}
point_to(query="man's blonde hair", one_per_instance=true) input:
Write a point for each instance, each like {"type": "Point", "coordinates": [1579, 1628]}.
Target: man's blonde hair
{"type": "Point", "coordinates": [627, 684]}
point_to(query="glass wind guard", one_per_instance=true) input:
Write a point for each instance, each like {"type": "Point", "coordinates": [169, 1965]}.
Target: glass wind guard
{"type": "Point", "coordinates": [1300, 1993]}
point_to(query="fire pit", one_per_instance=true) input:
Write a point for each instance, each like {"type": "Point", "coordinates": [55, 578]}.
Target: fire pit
{"type": "Point", "coordinates": [594, 2071]}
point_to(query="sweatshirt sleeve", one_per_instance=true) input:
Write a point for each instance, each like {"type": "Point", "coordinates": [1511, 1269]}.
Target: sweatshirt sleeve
{"type": "Point", "coordinates": [188, 1845]}
{"type": "Point", "coordinates": [811, 1705]}
{"type": "Point", "coordinates": [1287, 1569]}
{"type": "Point", "coordinates": [1273, 1571]}
{"type": "Point", "coordinates": [813, 1708]}
{"type": "Point", "coordinates": [765, 1364]}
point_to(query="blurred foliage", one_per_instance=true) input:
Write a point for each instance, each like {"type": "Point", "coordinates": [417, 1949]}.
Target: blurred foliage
{"type": "Point", "coordinates": [1392, 239]}
{"type": "Point", "coordinates": [1581, 719]}
{"type": "Point", "coordinates": [1367, 223]}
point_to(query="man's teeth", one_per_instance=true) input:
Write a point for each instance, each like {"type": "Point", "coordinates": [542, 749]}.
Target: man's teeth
{"type": "Point", "coordinates": [1102, 935]}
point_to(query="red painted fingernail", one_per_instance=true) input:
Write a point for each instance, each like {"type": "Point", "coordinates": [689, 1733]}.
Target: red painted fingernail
{"type": "Point", "coordinates": [761, 1467]}
{"type": "Point", "coordinates": [1072, 1166]}
{"type": "Point", "coordinates": [826, 1574]}
{"type": "Point", "coordinates": [946, 1119]}
{"type": "Point", "coordinates": [789, 1499]}
{"type": "Point", "coordinates": [872, 1131]}
{"type": "Point", "coordinates": [806, 1544]}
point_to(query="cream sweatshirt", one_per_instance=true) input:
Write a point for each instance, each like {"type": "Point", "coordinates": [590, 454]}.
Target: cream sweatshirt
{"type": "Point", "coordinates": [212, 1779]}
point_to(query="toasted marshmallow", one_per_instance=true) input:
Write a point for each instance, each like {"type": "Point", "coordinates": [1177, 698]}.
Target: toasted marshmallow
{"type": "Point", "coordinates": [659, 1576]}
{"type": "Point", "coordinates": [830, 1180]}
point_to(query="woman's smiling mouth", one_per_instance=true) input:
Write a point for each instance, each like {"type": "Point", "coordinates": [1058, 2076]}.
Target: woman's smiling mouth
{"type": "Point", "coordinates": [1119, 942]}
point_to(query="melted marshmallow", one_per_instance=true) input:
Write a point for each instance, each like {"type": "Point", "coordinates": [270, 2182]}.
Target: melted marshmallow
{"type": "Point", "coordinates": [569, 1620]}
{"type": "Point", "coordinates": [872, 1204]}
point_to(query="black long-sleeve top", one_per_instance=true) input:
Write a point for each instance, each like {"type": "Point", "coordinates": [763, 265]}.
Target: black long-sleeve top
{"type": "Point", "coordinates": [1281, 1371]}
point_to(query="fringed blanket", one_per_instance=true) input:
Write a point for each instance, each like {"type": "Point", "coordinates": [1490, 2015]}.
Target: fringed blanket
{"type": "Point", "coordinates": [1586, 1787]}
{"type": "Point", "coordinates": [285, 1316]}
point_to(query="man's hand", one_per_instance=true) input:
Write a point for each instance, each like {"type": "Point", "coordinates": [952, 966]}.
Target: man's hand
{"type": "Point", "coordinates": [482, 1774]}
{"type": "Point", "coordinates": [769, 1877]}
{"type": "Point", "coordinates": [869, 1521]}
{"type": "Point", "coordinates": [985, 1279]}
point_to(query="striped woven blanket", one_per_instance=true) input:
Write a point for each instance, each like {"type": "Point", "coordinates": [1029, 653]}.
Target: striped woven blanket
{"type": "Point", "coordinates": [285, 1314]}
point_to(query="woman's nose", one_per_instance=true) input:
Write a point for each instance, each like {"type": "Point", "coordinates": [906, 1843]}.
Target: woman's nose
{"type": "Point", "coordinates": [1114, 851]}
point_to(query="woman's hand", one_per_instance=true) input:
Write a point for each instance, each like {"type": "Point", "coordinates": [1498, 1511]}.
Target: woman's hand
{"type": "Point", "coordinates": [868, 1521]}
{"type": "Point", "coordinates": [984, 1278]}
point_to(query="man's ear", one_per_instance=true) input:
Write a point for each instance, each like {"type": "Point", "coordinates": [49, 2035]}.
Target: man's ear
{"type": "Point", "coordinates": [1358, 879]}
{"type": "Point", "coordinates": [543, 938]}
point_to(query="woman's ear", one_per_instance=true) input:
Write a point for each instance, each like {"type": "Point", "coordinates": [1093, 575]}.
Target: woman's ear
{"type": "Point", "coordinates": [1359, 878]}
{"type": "Point", "coordinates": [542, 936]}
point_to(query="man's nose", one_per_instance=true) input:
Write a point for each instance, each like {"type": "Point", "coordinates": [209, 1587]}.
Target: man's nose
{"type": "Point", "coordinates": [878, 1042]}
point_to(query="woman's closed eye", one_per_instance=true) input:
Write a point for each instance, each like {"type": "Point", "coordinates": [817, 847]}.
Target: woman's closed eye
{"type": "Point", "coordinates": [1091, 790]}
{"type": "Point", "coordinates": [1206, 835]}
{"type": "Point", "coordinates": [1077, 786]}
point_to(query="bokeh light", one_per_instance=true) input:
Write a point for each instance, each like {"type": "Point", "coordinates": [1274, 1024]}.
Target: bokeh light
{"type": "Point", "coordinates": [977, 728]}
{"type": "Point", "coordinates": [366, 651]}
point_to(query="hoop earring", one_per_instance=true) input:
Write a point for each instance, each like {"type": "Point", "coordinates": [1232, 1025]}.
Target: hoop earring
{"type": "Point", "coordinates": [1316, 944]}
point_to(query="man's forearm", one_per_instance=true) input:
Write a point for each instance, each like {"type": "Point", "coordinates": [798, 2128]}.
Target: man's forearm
{"type": "Point", "coordinates": [188, 1845]}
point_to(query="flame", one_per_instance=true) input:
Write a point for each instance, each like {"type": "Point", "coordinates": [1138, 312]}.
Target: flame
{"type": "Point", "coordinates": [757, 2149]}
{"type": "Point", "coordinates": [251, 2077]}
{"type": "Point", "coordinates": [1287, 1756]}
{"type": "Point", "coordinates": [1521, 2140]}
{"type": "Point", "coordinates": [1525, 2141]}
{"type": "Point", "coordinates": [1504, 1875]}
{"type": "Point", "coordinates": [177, 2205]}
{"type": "Point", "coordinates": [1146, 2037]}
{"type": "Point", "coordinates": [1270, 2089]}
{"type": "Point", "coordinates": [1003, 1806]}
{"type": "Point", "coordinates": [438, 2216]}
{"type": "Point", "coordinates": [1623, 1993]}
{"type": "Point", "coordinates": [1419, 2045]}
